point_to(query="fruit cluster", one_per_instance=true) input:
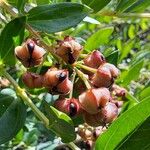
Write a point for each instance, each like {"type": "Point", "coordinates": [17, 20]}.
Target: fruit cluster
{"type": "Point", "coordinates": [98, 104]}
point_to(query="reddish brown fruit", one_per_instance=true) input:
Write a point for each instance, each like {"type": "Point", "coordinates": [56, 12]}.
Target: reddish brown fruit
{"type": "Point", "coordinates": [52, 77]}
{"type": "Point", "coordinates": [104, 77]}
{"type": "Point", "coordinates": [68, 49]}
{"type": "Point", "coordinates": [95, 59]}
{"type": "Point", "coordinates": [94, 99]}
{"type": "Point", "coordinates": [57, 81]}
{"type": "Point", "coordinates": [94, 120]}
{"type": "Point", "coordinates": [109, 113]}
{"type": "Point", "coordinates": [29, 54]}
{"type": "Point", "coordinates": [32, 80]}
{"type": "Point", "coordinates": [118, 91]}
{"type": "Point", "coordinates": [85, 133]}
{"type": "Point", "coordinates": [69, 106]}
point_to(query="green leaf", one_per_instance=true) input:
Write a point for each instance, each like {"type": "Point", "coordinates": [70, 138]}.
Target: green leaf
{"type": "Point", "coordinates": [126, 48]}
{"type": "Point", "coordinates": [124, 126]}
{"type": "Point", "coordinates": [61, 124]}
{"type": "Point", "coordinates": [13, 29]}
{"type": "Point", "coordinates": [87, 2]}
{"type": "Point", "coordinates": [139, 6]}
{"type": "Point", "coordinates": [96, 5]}
{"type": "Point", "coordinates": [132, 31]}
{"type": "Point", "coordinates": [43, 2]}
{"type": "Point", "coordinates": [144, 93]}
{"type": "Point", "coordinates": [140, 138]}
{"type": "Point", "coordinates": [57, 17]}
{"type": "Point", "coordinates": [101, 37]}
{"type": "Point", "coordinates": [12, 115]}
{"type": "Point", "coordinates": [139, 56]}
{"type": "Point", "coordinates": [113, 58]}
{"type": "Point", "coordinates": [18, 3]}
{"type": "Point", "coordinates": [124, 5]}
{"type": "Point", "coordinates": [133, 73]}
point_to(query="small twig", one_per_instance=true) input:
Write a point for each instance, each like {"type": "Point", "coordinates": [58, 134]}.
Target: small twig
{"type": "Point", "coordinates": [73, 146]}
{"type": "Point", "coordinates": [86, 68]}
{"type": "Point", "coordinates": [83, 77]}
{"type": "Point", "coordinates": [73, 78]}
{"type": "Point", "coordinates": [124, 15]}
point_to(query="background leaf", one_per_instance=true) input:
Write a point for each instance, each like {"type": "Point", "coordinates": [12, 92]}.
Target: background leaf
{"type": "Point", "coordinates": [19, 4]}
{"type": "Point", "coordinates": [47, 18]}
{"type": "Point", "coordinates": [12, 115]}
{"type": "Point", "coordinates": [96, 5]}
{"type": "Point", "coordinates": [98, 38]}
{"type": "Point", "coordinates": [132, 73]}
{"type": "Point", "coordinates": [139, 6]}
{"type": "Point", "coordinates": [125, 4]}
{"type": "Point", "coordinates": [124, 126]}
{"type": "Point", "coordinates": [13, 29]}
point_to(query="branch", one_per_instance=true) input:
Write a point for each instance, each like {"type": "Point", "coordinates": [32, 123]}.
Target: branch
{"type": "Point", "coordinates": [21, 92]}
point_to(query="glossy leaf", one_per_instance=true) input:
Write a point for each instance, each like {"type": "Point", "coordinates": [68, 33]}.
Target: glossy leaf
{"type": "Point", "coordinates": [47, 18]}
{"type": "Point", "coordinates": [124, 5]}
{"type": "Point", "coordinates": [61, 124]}
{"type": "Point", "coordinates": [12, 30]}
{"type": "Point", "coordinates": [140, 138]}
{"type": "Point", "coordinates": [91, 20]}
{"type": "Point", "coordinates": [124, 126]}
{"type": "Point", "coordinates": [12, 115]}
{"type": "Point", "coordinates": [100, 37]}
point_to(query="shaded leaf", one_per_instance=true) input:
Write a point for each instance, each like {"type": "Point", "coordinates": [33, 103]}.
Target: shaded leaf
{"type": "Point", "coordinates": [47, 18]}
{"type": "Point", "coordinates": [12, 116]}
{"type": "Point", "coordinates": [113, 58]}
{"type": "Point", "coordinates": [124, 126]}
